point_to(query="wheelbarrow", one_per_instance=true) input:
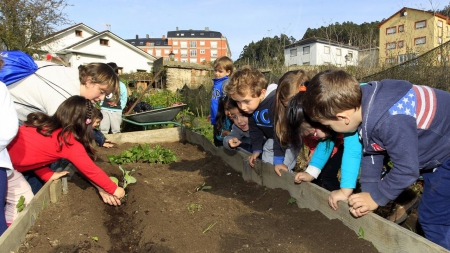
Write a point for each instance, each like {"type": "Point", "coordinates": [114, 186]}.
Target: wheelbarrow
{"type": "Point", "coordinates": [161, 116]}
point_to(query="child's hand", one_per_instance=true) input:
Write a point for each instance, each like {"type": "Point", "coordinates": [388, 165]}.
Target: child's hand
{"type": "Point", "coordinates": [252, 158]}
{"type": "Point", "coordinates": [234, 142]}
{"type": "Point", "coordinates": [279, 168]}
{"type": "Point", "coordinates": [337, 195]}
{"type": "Point", "coordinates": [58, 175]}
{"type": "Point", "coordinates": [119, 193]}
{"type": "Point", "coordinates": [108, 198]}
{"type": "Point", "coordinates": [303, 176]}
{"type": "Point", "coordinates": [108, 145]}
{"type": "Point", "coordinates": [361, 204]}
{"type": "Point", "coordinates": [225, 133]}
{"type": "Point", "coordinates": [108, 141]}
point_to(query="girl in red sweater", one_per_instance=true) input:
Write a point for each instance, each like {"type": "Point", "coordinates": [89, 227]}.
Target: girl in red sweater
{"type": "Point", "coordinates": [67, 134]}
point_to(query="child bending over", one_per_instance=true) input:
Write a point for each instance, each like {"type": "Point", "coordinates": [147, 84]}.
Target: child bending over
{"type": "Point", "coordinates": [239, 135]}
{"type": "Point", "coordinates": [66, 134]}
{"type": "Point", "coordinates": [408, 122]}
{"type": "Point", "coordinates": [99, 137]}
{"type": "Point", "coordinates": [254, 96]}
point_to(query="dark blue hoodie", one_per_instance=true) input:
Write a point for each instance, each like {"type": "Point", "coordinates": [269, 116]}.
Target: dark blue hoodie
{"type": "Point", "coordinates": [409, 123]}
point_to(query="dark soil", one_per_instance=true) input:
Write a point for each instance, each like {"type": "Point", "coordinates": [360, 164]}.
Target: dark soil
{"type": "Point", "coordinates": [242, 216]}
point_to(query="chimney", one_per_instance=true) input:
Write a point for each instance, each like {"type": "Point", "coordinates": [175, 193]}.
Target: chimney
{"type": "Point", "coordinates": [164, 37]}
{"type": "Point", "coordinates": [177, 28]}
{"type": "Point", "coordinates": [207, 29]}
{"type": "Point", "coordinates": [137, 36]}
{"type": "Point", "coordinates": [146, 36]}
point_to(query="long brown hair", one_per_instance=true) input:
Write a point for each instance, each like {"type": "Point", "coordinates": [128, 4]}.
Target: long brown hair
{"type": "Point", "coordinates": [101, 73]}
{"type": "Point", "coordinates": [288, 86]}
{"type": "Point", "coordinates": [73, 117]}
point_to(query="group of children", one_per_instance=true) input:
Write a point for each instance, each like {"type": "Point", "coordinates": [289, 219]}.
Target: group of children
{"type": "Point", "coordinates": [350, 127]}
{"type": "Point", "coordinates": [39, 131]}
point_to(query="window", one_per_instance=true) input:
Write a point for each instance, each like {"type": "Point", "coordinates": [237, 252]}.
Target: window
{"type": "Point", "coordinates": [213, 59]}
{"type": "Point", "coordinates": [211, 34]}
{"type": "Point", "coordinates": [193, 60]}
{"type": "Point", "coordinates": [390, 30]}
{"type": "Point", "coordinates": [104, 42]}
{"type": "Point", "coordinates": [175, 51]}
{"type": "Point", "coordinates": [401, 28]}
{"type": "Point", "coordinates": [193, 43]}
{"type": "Point", "coordinates": [338, 52]}
{"type": "Point", "coordinates": [440, 24]}
{"type": "Point", "coordinates": [350, 55]}
{"type": "Point", "coordinates": [152, 44]}
{"type": "Point", "coordinates": [306, 50]}
{"type": "Point", "coordinates": [400, 44]}
{"type": "Point", "coordinates": [183, 44]}
{"type": "Point", "coordinates": [194, 52]}
{"type": "Point", "coordinates": [402, 58]}
{"type": "Point", "coordinates": [175, 42]}
{"type": "Point", "coordinates": [202, 34]}
{"type": "Point", "coordinates": [202, 60]}
{"type": "Point", "coordinates": [182, 34]}
{"type": "Point", "coordinates": [306, 63]}
{"type": "Point", "coordinates": [391, 45]}
{"type": "Point", "coordinates": [132, 42]}
{"type": "Point", "coordinates": [78, 33]}
{"type": "Point", "coordinates": [178, 34]}
{"type": "Point", "coordinates": [184, 60]}
{"type": "Point", "coordinates": [326, 50]}
{"type": "Point", "coordinates": [140, 43]}
{"type": "Point", "coordinates": [293, 52]}
{"type": "Point", "coordinates": [158, 52]}
{"type": "Point", "coordinates": [192, 34]}
{"type": "Point", "coordinates": [166, 51]}
{"type": "Point", "coordinates": [202, 43]}
{"type": "Point", "coordinates": [390, 60]}
{"type": "Point", "coordinates": [157, 43]}
{"type": "Point", "coordinates": [183, 52]}
{"type": "Point", "coordinates": [202, 51]}
{"type": "Point", "coordinates": [439, 40]}
{"type": "Point", "coordinates": [214, 53]}
{"type": "Point", "coordinates": [420, 41]}
{"type": "Point", "coordinates": [421, 24]}
{"type": "Point", "coordinates": [213, 44]}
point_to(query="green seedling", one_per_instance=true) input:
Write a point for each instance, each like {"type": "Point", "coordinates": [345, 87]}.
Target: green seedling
{"type": "Point", "coordinates": [209, 227]}
{"type": "Point", "coordinates": [361, 233]}
{"type": "Point", "coordinates": [202, 187]}
{"type": "Point", "coordinates": [21, 204]}
{"type": "Point", "coordinates": [292, 201]}
{"type": "Point", "coordinates": [94, 238]}
{"type": "Point", "coordinates": [127, 177]}
{"type": "Point", "coordinates": [193, 207]}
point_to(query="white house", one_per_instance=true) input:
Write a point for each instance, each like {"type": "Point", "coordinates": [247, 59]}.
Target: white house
{"type": "Point", "coordinates": [316, 51]}
{"type": "Point", "coordinates": [81, 44]}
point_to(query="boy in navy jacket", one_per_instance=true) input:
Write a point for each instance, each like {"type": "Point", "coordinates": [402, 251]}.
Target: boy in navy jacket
{"type": "Point", "coordinates": [408, 122]}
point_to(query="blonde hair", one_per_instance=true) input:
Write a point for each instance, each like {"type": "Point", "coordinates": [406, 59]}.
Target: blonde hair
{"type": "Point", "coordinates": [246, 80]}
{"type": "Point", "coordinates": [288, 86]}
{"type": "Point", "coordinates": [101, 73]}
{"type": "Point", "coordinates": [224, 63]}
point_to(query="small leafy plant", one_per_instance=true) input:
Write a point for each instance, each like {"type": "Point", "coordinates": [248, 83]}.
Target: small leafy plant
{"type": "Point", "coordinates": [144, 154]}
{"type": "Point", "coordinates": [202, 187]}
{"type": "Point", "coordinates": [94, 238]}
{"type": "Point", "coordinates": [361, 233]}
{"type": "Point", "coordinates": [192, 207]}
{"type": "Point", "coordinates": [21, 204]}
{"type": "Point", "coordinates": [292, 201]}
{"type": "Point", "coordinates": [127, 177]}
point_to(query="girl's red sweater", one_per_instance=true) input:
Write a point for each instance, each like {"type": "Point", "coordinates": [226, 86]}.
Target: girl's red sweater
{"type": "Point", "coordinates": [31, 150]}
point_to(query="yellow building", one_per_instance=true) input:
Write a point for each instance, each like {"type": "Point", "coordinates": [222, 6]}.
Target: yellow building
{"type": "Point", "coordinates": [411, 32]}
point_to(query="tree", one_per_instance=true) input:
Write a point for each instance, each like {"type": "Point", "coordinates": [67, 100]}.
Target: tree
{"type": "Point", "coordinates": [265, 52]}
{"type": "Point", "coordinates": [25, 23]}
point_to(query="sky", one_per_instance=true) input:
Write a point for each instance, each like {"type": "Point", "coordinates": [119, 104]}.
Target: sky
{"type": "Point", "coordinates": [241, 21]}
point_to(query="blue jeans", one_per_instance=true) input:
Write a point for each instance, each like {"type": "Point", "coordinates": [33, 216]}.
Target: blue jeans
{"type": "Point", "coordinates": [35, 182]}
{"type": "Point", "coordinates": [3, 189]}
{"type": "Point", "coordinates": [434, 209]}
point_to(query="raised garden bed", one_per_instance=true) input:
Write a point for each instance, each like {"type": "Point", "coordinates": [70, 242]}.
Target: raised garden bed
{"type": "Point", "coordinates": [165, 213]}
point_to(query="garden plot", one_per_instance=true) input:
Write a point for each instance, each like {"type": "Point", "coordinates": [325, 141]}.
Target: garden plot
{"type": "Point", "coordinates": [200, 203]}
{"type": "Point", "coordinates": [197, 204]}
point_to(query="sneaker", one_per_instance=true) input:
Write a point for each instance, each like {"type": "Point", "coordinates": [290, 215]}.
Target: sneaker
{"type": "Point", "coordinates": [401, 212]}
